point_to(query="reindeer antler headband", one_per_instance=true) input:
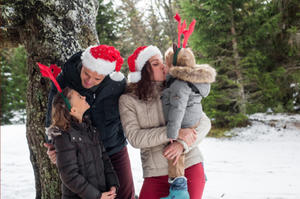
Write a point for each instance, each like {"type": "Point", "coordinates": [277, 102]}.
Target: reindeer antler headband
{"type": "Point", "coordinates": [47, 72]}
{"type": "Point", "coordinates": [186, 33]}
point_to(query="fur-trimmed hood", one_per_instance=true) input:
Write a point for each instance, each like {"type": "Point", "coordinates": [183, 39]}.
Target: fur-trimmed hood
{"type": "Point", "coordinates": [200, 73]}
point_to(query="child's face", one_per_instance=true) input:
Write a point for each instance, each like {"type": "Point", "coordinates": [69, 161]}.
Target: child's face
{"type": "Point", "coordinates": [78, 102]}
{"type": "Point", "coordinates": [168, 62]}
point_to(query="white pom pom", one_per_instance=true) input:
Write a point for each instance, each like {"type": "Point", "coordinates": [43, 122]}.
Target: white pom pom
{"type": "Point", "coordinates": [116, 76]}
{"type": "Point", "coordinates": [134, 77]}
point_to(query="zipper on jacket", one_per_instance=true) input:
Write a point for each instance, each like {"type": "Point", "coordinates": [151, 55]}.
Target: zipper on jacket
{"type": "Point", "coordinates": [94, 95]}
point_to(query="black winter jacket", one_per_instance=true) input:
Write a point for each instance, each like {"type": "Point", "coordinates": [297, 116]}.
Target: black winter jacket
{"type": "Point", "coordinates": [103, 100]}
{"type": "Point", "coordinates": [85, 168]}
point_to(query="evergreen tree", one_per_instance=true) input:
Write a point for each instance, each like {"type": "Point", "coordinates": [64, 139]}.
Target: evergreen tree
{"type": "Point", "coordinates": [246, 42]}
{"type": "Point", "coordinates": [154, 26]}
{"type": "Point", "coordinates": [216, 37]}
{"type": "Point", "coordinates": [106, 23]}
{"type": "Point", "coordinates": [13, 84]}
{"type": "Point", "coordinates": [132, 29]}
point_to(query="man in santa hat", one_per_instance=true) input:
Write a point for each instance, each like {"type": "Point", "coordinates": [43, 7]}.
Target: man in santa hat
{"type": "Point", "coordinates": [95, 74]}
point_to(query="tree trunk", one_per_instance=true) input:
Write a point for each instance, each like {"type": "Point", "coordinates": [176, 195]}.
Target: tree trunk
{"type": "Point", "coordinates": [241, 93]}
{"type": "Point", "coordinates": [51, 32]}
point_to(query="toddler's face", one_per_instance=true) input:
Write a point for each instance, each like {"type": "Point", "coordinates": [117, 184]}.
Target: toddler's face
{"type": "Point", "coordinates": [168, 63]}
{"type": "Point", "coordinates": [78, 102]}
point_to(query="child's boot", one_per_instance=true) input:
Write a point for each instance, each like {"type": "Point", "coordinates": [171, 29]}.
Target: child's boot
{"type": "Point", "coordinates": [178, 189]}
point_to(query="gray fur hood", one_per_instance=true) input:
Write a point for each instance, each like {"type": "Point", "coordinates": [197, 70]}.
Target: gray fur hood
{"type": "Point", "coordinates": [200, 73]}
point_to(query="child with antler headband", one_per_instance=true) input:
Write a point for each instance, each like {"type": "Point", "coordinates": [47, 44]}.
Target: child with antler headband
{"type": "Point", "coordinates": [187, 84]}
{"type": "Point", "coordinates": [85, 168]}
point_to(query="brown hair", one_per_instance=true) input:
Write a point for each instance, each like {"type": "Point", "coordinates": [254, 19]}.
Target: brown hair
{"type": "Point", "coordinates": [144, 88]}
{"type": "Point", "coordinates": [61, 116]}
{"type": "Point", "coordinates": [185, 57]}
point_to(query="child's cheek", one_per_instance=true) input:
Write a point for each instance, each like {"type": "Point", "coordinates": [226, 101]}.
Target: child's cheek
{"type": "Point", "coordinates": [166, 69]}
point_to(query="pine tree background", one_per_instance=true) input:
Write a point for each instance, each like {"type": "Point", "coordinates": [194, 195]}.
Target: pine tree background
{"type": "Point", "coordinates": [254, 46]}
{"type": "Point", "coordinates": [256, 75]}
{"type": "Point", "coordinates": [13, 85]}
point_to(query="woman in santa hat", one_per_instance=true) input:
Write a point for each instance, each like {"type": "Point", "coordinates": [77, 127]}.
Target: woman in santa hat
{"type": "Point", "coordinates": [145, 127]}
{"type": "Point", "coordinates": [95, 74]}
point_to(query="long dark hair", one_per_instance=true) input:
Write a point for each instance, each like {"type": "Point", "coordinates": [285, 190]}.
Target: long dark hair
{"type": "Point", "coordinates": [144, 88]}
{"type": "Point", "coordinates": [61, 116]}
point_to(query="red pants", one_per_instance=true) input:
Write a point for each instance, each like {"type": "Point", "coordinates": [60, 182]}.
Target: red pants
{"type": "Point", "coordinates": [157, 187]}
{"type": "Point", "coordinates": [121, 164]}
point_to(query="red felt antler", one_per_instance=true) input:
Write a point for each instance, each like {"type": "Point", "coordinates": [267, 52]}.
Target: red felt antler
{"type": "Point", "coordinates": [47, 72]}
{"type": "Point", "coordinates": [187, 33]}
{"type": "Point", "coordinates": [179, 27]}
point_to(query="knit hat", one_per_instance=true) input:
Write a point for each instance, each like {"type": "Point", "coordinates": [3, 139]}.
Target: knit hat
{"type": "Point", "coordinates": [137, 60]}
{"type": "Point", "coordinates": [104, 60]}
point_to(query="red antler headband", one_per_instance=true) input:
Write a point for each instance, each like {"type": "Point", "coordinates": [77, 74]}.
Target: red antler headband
{"type": "Point", "coordinates": [47, 72]}
{"type": "Point", "coordinates": [186, 33]}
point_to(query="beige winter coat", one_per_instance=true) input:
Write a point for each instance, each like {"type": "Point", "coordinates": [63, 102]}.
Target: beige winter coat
{"type": "Point", "coordinates": [144, 127]}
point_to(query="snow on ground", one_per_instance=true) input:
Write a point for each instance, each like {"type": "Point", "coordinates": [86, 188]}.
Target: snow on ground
{"type": "Point", "coordinates": [17, 180]}
{"type": "Point", "coordinates": [262, 162]}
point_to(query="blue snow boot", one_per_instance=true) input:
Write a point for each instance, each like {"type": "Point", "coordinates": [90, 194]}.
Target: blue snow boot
{"type": "Point", "coordinates": [178, 189]}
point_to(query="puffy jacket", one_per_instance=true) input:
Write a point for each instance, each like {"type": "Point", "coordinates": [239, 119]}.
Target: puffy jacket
{"type": "Point", "coordinates": [103, 100]}
{"type": "Point", "coordinates": [85, 168]}
{"type": "Point", "coordinates": [182, 98]}
{"type": "Point", "coordinates": [145, 128]}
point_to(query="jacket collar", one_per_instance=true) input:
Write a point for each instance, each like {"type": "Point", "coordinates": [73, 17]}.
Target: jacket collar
{"type": "Point", "coordinates": [198, 74]}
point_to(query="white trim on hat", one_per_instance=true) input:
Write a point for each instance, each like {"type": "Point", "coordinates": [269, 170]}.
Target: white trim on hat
{"type": "Point", "coordinates": [116, 76]}
{"type": "Point", "coordinates": [134, 77]}
{"type": "Point", "coordinates": [145, 55]}
{"type": "Point", "coordinates": [101, 66]}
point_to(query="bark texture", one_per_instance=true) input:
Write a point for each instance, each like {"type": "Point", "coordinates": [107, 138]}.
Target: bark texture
{"type": "Point", "coordinates": [51, 31]}
{"type": "Point", "coordinates": [241, 102]}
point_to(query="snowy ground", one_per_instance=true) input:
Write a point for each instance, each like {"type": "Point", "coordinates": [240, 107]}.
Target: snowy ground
{"type": "Point", "coordinates": [262, 162]}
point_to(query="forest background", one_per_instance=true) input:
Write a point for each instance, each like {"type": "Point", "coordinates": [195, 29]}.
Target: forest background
{"type": "Point", "coordinates": [253, 44]}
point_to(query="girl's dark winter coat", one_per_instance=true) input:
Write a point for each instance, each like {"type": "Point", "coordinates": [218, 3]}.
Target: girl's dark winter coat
{"type": "Point", "coordinates": [103, 99]}
{"type": "Point", "coordinates": [85, 168]}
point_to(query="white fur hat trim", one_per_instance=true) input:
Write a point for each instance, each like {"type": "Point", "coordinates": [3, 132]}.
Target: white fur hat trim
{"type": "Point", "coordinates": [134, 77]}
{"type": "Point", "coordinates": [145, 55]}
{"type": "Point", "coordinates": [101, 66]}
{"type": "Point", "coordinates": [116, 76]}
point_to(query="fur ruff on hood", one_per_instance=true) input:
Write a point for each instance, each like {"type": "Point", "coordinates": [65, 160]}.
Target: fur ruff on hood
{"type": "Point", "coordinates": [200, 73]}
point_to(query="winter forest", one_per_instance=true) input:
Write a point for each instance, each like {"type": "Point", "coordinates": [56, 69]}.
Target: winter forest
{"type": "Point", "coordinates": [254, 45]}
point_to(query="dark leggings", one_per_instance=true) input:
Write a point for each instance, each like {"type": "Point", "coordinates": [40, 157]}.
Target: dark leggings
{"type": "Point", "coordinates": [121, 164]}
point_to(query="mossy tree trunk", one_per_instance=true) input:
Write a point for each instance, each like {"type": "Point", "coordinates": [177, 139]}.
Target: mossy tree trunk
{"type": "Point", "coordinates": [51, 31]}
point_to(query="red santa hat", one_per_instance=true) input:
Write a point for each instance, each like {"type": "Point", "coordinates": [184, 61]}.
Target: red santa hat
{"type": "Point", "coordinates": [137, 60]}
{"type": "Point", "coordinates": [105, 60]}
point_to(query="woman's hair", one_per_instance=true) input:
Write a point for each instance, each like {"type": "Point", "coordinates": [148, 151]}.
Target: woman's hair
{"type": "Point", "coordinates": [61, 116]}
{"type": "Point", "coordinates": [144, 88]}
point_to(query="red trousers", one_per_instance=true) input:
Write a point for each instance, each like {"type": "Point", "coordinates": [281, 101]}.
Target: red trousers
{"type": "Point", "coordinates": [157, 187]}
{"type": "Point", "coordinates": [121, 164]}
